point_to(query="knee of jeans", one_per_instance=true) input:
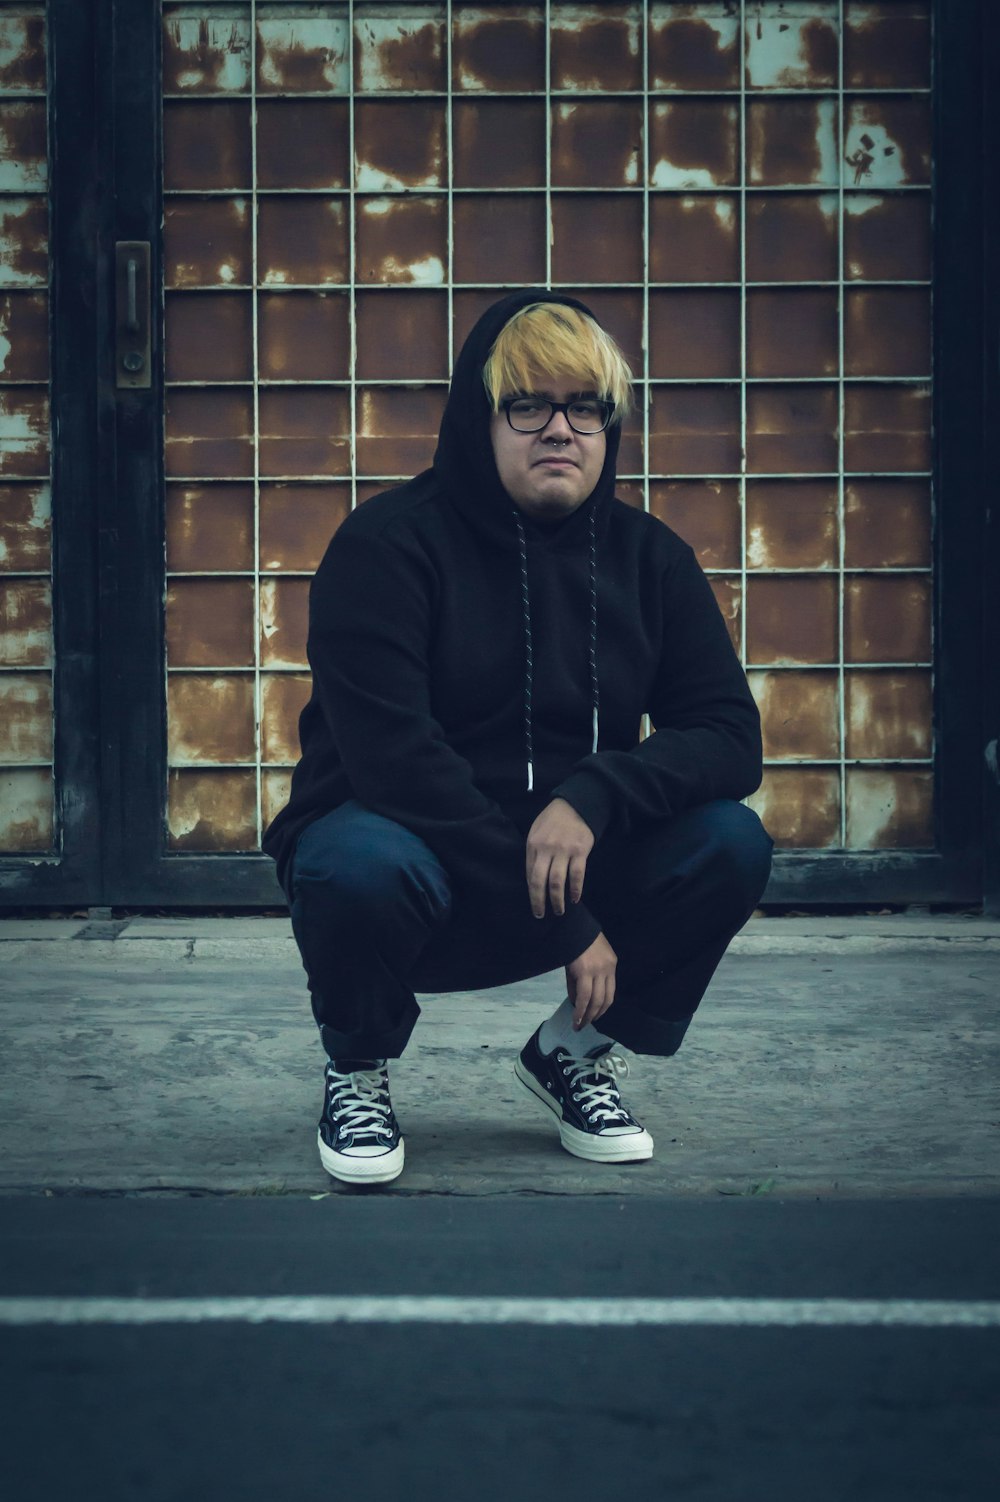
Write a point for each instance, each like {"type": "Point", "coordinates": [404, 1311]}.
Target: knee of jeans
{"type": "Point", "coordinates": [742, 847]}
{"type": "Point", "coordinates": [354, 882]}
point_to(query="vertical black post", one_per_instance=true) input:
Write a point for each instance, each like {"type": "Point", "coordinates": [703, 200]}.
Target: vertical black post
{"type": "Point", "coordinates": [990, 166]}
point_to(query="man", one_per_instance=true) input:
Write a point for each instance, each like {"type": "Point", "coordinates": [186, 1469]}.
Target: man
{"type": "Point", "coordinates": [474, 805]}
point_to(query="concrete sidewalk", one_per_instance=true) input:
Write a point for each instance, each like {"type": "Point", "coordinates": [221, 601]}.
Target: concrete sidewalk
{"type": "Point", "coordinates": [854, 1056]}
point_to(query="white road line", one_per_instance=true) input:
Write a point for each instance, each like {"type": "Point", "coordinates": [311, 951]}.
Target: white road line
{"type": "Point", "coordinates": [408, 1309]}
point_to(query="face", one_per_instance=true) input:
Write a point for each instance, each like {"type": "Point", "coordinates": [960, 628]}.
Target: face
{"type": "Point", "coordinates": [548, 474]}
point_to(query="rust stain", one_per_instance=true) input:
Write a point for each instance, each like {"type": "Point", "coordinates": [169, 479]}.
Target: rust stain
{"type": "Point", "coordinates": [297, 522]}
{"type": "Point", "coordinates": [405, 51]}
{"type": "Point", "coordinates": [887, 618]}
{"type": "Point", "coordinates": [689, 50]}
{"type": "Point", "coordinates": [402, 334]}
{"type": "Point", "coordinates": [22, 53]}
{"type": "Point", "coordinates": [799, 714]}
{"type": "Point", "coordinates": [27, 811]}
{"type": "Point", "coordinates": [208, 336]}
{"type": "Point", "coordinates": [275, 791]}
{"type": "Point", "coordinates": [791, 429]}
{"type": "Point", "coordinates": [888, 141]}
{"type": "Point", "coordinates": [792, 49]}
{"type": "Point", "coordinates": [210, 718]}
{"type": "Point", "coordinates": [887, 237]}
{"type": "Point", "coordinates": [24, 431]}
{"type": "Point", "coordinates": [206, 242]}
{"type": "Point", "coordinates": [284, 622]}
{"type": "Point", "coordinates": [24, 242]}
{"type": "Point", "coordinates": [479, 124]}
{"type": "Point", "coordinates": [302, 53]}
{"type": "Point", "coordinates": [694, 334]}
{"type": "Point", "coordinates": [593, 231]}
{"type": "Point", "coordinates": [791, 524]}
{"type": "Point", "coordinates": [694, 144]}
{"type": "Point", "coordinates": [596, 144]}
{"type": "Point", "coordinates": [303, 143]}
{"type": "Point", "coordinates": [791, 619]}
{"type": "Point", "coordinates": [887, 46]}
{"type": "Point", "coordinates": [206, 144]}
{"type": "Point", "coordinates": [596, 47]}
{"type": "Point", "coordinates": [25, 623]}
{"type": "Point", "coordinates": [209, 433]}
{"type": "Point", "coordinates": [887, 524]}
{"type": "Point", "coordinates": [499, 48]}
{"type": "Point", "coordinates": [25, 528]}
{"type": "Point", "coordinates": [398, 146]}
{"type": "Point", "coordinates": [24, 336]}
{"type": "Point", "coordinates": [695, 430]}
{"type": "Point", "coordinates": [800, 808]}
{"type": "Point", "coordinates": [283, 697]}
{"type": "Point", "coordinates": [209, 623]}
{"type": "Point", "coordinates": [23, 152]}
{"type": "Point", "coordinates": [792, 237]}
{"type": "Point", "coordinates": [706, 513]}
{"type": "Point", "coordinates": [729, 597]}
{"type": "Point", "coordinates": [887, 331]}
{"type": "Point", "coordinates": [397, 428]}
{"type": "Point", "coordinates": [303, 336]}
{"type": "Point", "coordinates": [887, 428]}
{"type": "Point", "coordinates": [500, 238]}
{"type": "Point", "coordinates": [25, 717]}
{"type": "Point", "coordinates": [693, 238]}
{"type": "Point", "coordinates": [304, 431]}
{"type": "Point", "coordinates": [889, 714]}
{"type": "Point", "coordinates": [302, 240]}
{"type": "Point", "coordinates": [792, 332]}
{"type": "Point", "coordinates": [889, 810]}
{"type": "Point", "coordinates": [206, 55]}
{"type": "Point", "coordinates": [209, 528]}
{"type": "Point", "coordinates": [792, 142]}
{"type": "Point", "coordinates": [402, 240]}
{"type": "Point", "coordinates": [211, 810]}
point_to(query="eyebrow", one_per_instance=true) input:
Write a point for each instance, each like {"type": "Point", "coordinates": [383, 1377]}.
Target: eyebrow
{"type": "Point", "coordinates": [573, 396]}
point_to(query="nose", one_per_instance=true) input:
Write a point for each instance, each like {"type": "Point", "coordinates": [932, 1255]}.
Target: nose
{"type": "Point", "coordinates": [558, 427]}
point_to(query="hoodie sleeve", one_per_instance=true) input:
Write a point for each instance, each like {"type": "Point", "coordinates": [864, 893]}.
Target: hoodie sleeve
{"type": "Point", "coordinates": [370, 629]}
{"type": "Point", "coordinates": [707, 727]}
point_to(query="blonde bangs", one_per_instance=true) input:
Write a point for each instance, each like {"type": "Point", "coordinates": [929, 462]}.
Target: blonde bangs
{"type": "Point", "coordinates": [552, 341]}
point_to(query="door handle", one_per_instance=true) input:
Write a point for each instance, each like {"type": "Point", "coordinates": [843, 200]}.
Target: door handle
{"type": "Point", "coordinates": [133, 304]}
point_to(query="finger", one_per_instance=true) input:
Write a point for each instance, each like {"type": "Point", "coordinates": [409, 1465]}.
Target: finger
{"type": "Point", "coordinates": [584, 992]}
{"type": "Point", "coordinates": [577, 871]}
{"type": "Point", "coordinates": [538, 871]}
{"type": "Point", "coordinates": [557, 885]}
{"type": "Point", "coordinates": [596, 1006]}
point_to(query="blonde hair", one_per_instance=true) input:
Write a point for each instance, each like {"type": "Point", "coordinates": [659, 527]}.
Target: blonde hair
{"type": "Point", "coordinates": [554, 340]}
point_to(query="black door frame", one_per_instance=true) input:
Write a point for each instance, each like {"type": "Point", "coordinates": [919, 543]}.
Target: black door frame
{"type": "Point", "coordinates": [106, 152]}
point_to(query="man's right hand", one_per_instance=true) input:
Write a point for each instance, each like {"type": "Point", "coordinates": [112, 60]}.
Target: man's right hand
{"type": "Point", "coordinates": [590, 981]}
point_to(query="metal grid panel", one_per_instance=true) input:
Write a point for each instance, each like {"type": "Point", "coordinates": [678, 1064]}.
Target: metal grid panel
{"type": "Point", "coordinates": [742, 192]}
{"type": "Point", "coordinates": [27, 811]}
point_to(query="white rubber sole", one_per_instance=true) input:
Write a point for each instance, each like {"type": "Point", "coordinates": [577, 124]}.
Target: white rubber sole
{"type": "Point", "coordinates": [632, 1149]}
{"type": "Point", "coordinates": [361, 1170]}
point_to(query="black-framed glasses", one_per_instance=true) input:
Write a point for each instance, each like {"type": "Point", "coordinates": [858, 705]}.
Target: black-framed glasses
{"type": "Point", "coordinates": [530, 414]}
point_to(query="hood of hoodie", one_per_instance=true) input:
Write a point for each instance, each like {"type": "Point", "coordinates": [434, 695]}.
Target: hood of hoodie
{"type": "Point", "coordinates": [464, 467]}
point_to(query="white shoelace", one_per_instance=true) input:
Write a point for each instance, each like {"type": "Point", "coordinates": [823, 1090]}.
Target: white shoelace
{"type": "Point", "coordinates": [593, 1083]}
{"type": "Point", "coordinates": [363, 1101]}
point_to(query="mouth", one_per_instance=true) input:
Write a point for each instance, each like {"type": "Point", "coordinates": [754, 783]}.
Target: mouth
{"type": "Point", "coordinates": [552, 462]}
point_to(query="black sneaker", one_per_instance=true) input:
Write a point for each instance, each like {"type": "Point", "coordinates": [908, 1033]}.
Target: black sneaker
{"type": "Point", "coordinates": [359, 1138]}
{"type": "Point", "coordinates": [583, 1093]}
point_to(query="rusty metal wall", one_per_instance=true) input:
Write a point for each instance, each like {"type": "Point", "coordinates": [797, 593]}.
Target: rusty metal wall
{"type": "Point", "coordinates": [27, 822]}
{"type": "Point", "coordinates": [741, 192]}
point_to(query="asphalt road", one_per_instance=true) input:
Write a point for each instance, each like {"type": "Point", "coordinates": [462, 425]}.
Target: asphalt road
{"type": "Point", "coordinates": [385, 1411]}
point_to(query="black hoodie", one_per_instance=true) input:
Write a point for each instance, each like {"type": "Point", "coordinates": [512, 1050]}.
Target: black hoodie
{"type": "Point", "coordinates": [464, 657]}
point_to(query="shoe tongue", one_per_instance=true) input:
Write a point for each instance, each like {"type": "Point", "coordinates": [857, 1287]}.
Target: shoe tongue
{"type": "Point", "coordinates": [599, 1051]}
{"type": "Point", "coordinates": [351, 1066]}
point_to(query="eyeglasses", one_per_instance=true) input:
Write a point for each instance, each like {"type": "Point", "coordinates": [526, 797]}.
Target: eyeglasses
{"type": "Point", "coordinates": [530, 414]}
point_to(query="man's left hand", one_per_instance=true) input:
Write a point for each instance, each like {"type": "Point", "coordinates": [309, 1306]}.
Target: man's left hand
{"type": "Point", "coordinates": [559, 843]}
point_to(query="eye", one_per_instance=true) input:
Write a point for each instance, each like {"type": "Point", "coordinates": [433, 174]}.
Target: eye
{"type": "Point", "coordinates": [526, 406]}
{"type": "Point", "coordinates": [586, 408]}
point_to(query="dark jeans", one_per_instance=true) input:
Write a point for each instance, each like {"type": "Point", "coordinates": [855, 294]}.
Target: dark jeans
{"type": "Point", "coordinates": [370, 907]}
